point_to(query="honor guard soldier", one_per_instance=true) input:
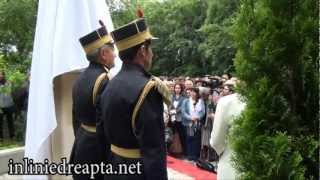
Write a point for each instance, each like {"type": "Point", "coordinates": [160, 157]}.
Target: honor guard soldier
{"type": "Point", "coordinates": [99, 49]}
{"type": "Point", "coordinates": [132, 104]}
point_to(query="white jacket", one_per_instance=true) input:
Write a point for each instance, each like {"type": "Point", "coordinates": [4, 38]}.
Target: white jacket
{"type": "Point", "coordinates": [228, 108]}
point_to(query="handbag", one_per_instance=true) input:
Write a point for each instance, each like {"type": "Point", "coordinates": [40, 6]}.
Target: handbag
{"type": "Point", "coordinates": [193, 128]}
{"type": "Point", "coordinates": [206, 166]}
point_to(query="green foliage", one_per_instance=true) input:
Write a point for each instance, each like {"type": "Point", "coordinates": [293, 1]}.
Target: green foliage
{"type": "Point", "coordinates": [17, 27]}
{"type": "Point", "coordinates": [6, 144]}
{"type": "Point", "coordinates": [176, 23]}
{"type": "Point", "coordinates": [177, 51]}
{"type": "Point", "coordinates": [273, 156]}
{"type": "Point", "coordinates": [277, 61]}
{"type": "Point", "coordinates": [14, 76]}
{"type": "Point", "coordinates": [217, 48]}
{"type": "Point", "coordinates": [17, 24]}
{"type": "Point", "coordinates": [17, 78]}
{"type": "Point", "coordinates": [194, 36]}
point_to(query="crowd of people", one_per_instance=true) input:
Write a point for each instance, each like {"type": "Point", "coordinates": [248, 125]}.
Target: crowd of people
{"type": "Point", "coordinates": [13, 104]}
{"type": "Point", "coordinates": [190, 117]}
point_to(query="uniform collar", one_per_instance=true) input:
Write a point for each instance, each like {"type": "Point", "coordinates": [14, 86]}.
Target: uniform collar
{"type": "Point", "coordinates": [135, 67]}
{"type": "Point", "coordinates": [98, 65]}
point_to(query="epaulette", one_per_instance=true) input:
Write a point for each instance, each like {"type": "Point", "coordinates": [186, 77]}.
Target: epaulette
{"type": "Point", "coordinates": [103, 76]}
{"type": "Point", "coordinates": [160, 86]}
{"type": "Point", "coordinates": [163, 90]}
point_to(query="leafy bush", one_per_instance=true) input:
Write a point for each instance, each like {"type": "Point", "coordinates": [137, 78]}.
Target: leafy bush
{"type": "Point", "coordinates": [277, 135]}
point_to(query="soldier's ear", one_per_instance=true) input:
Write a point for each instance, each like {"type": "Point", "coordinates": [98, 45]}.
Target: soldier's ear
{"type": "Point", "coordinates": [101, 53]}
{"type": "Point", "coordinates": [104, 52]}
{"type": "Point", "coordinates": [143, 50]}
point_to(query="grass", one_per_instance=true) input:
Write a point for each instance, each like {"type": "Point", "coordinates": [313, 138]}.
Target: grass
{"type": "Point", "coordinates": [7, 144]}
{"type": "Point", "coordinates": [18, 140]}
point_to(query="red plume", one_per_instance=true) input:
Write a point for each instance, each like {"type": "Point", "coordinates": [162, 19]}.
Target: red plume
{"type": "Point", "coordinates": [140, 13]}
{"type": "Point", "coordinates": [101, 23]}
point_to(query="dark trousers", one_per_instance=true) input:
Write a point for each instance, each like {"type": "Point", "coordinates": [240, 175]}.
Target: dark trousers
{"type": "Point", "coordinates": [182, 135]}
{"type": "Point", "coordinates": [193, 144]}
{"type": "Point", "coordinates": [116, 160]}
{"type": "Point", "coordinates": [86, 150]}
{"type": "Point", "coordinates": [7, 113]}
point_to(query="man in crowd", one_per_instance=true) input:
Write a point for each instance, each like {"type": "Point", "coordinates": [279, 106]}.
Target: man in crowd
{"type": "Point", "coordinates": [132, 117]}
{"type": "Point", "coordinates": [228, 88]}
{"type": "Point", "coordinates": [188, 85]}
{"type": "Point", "coordinates": [99, 49]}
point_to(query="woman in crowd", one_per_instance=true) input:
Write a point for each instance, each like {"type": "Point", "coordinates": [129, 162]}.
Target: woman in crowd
{"type": "Point", "coordinates": [193, 111]}
{"type": "Point", "coordinates": [207, 153]}
{"type": "Point", "coordinates": [176, 117]}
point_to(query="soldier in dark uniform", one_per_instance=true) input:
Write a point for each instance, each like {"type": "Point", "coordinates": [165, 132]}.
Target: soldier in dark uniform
{"type": "Point", "coordinates": [99, 49]}
{"type": "Point", "coordinates": [132, 108]}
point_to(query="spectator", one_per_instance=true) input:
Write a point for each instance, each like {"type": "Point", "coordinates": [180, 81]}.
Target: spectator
{"type": "Point", "coordinates": [168, 127]}
{"type": "Point", "coordinates": [20, 99]}
{"type": "Point", "coordinates": [170, 84]}
{"type": "Point", "coordinates": [188, 84]}
{"type": "Point", "coordinates": [193, 111]}
{"type": "Point", "coordinates": [206, 151]}
{"type": "Point", "coordinates": [198, 82]}
{"type": "Point", "coordinates": [6, 105]}
{"type": "Point", "coordinates": [176, 117]}
{"type": "Point", "coordinates": [228, 88]}
{"type": "Point", "coordinates": [226, 77]}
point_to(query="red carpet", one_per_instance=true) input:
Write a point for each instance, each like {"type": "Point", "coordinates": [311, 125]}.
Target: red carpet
{"type": "Point", "coordinates": [189, 169]}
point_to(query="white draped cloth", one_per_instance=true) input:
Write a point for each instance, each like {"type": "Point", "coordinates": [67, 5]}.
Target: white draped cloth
{"type": "Point", "coordinates": [228, 108]}
{"type": "Point", "coordinates": [60, 24]}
